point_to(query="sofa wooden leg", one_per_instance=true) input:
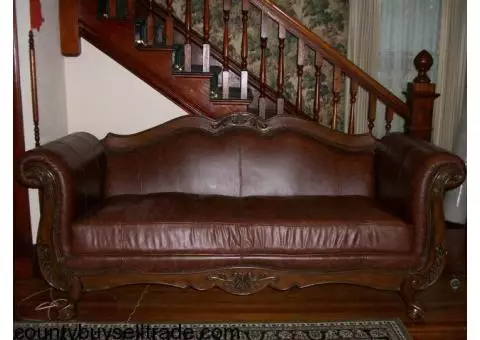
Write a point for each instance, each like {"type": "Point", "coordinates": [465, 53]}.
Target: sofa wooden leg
{"type": "Point", "coordinates": [414, 310]}
{"type": "Point", "coordinates": [61, 309]}
{"type": "Point", "coordinates": [68, 310]}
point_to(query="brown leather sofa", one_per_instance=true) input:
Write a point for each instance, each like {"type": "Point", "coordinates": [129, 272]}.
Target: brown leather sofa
{"type": "Point", "coordinates": [240, 203]}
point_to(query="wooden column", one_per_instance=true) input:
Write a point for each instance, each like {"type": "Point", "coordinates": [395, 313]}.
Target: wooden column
{"type": "Point", "coordinates": [131, 9]}
{"type": "Point", "coordinates": [388, 119]}
{"type": "Point", "coordinates": [372, 112]}
{"type": "Point", "coordinates": [420, 97]}
{"type": "Point", "coordinates": [353, 100]}
{"type": "Point", "coordinates": [337, 77]}
{"type": "Point", "coordinates": [318, 84]}
{"type": "Point", "coordinates": [281, 69]}
{"type": "Point", "coordinates": [227, 6]}
{"type": "Point", "coordinates": [206, 36]}
{"type": "Point", "coordinates": [262, 103]}
{"type": "Point", "coordinates": [150, 25]}
{"type": "Point", "coordinates": [169, 24]}
{"type": "Point", "coordinates": [112, 9]}
{"type": "Point", "coordinates": [300, 60]}
{"type": "Point", "coordinates": [33, 84]}
{"type": "Point", "coordinates": [188, 36]}
{"type": "Point", "coordinates": [244, 52]}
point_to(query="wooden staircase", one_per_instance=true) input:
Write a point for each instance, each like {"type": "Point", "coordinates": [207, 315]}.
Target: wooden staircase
{"type": "Point", "coordinates": [184, 66]}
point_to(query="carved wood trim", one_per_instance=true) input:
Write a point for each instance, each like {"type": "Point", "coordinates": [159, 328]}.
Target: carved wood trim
{"type": "Point", "coordinates": [123, 143]}
{"type": "Point", "coordinates": [245, 280]}
{"type": "Point", "coordinates": [447, 176]}
{"type": "Point", "coordinates": [49, 255]}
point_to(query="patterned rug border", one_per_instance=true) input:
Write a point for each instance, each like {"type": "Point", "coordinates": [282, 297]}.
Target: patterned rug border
{"type": "Point", "coordinates": [395, 325]}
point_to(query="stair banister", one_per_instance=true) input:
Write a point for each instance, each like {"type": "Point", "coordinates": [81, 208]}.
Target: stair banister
{"type": "Point", "coordinates": [420, 94]}
{"type": "Point", "coordinates": [333, 56]}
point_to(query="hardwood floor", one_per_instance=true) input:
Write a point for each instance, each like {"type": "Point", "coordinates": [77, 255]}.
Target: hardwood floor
{"type": "Point", "coordinates": [446, 313]}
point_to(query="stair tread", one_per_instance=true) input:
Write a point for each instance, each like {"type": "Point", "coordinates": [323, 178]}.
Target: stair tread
{"type": "Point", "coordinates": [268, 112]}
{"type": "Point", "coordinates": [154, 48]}
{"type": "Point", "coordinates": [233, 96]}
{"type": "Point", "coordinates": [198, 70]}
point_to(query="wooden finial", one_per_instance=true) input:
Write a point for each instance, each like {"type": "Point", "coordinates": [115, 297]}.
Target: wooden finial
{"type": "Point", "coordinates": [423, 62]}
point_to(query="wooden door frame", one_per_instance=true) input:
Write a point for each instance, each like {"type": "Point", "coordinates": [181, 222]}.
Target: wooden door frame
{"type": "Point", "coordinates": [22, 234]}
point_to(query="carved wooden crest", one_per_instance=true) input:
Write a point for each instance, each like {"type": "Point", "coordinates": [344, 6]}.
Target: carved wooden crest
{"type": "Point", "coordinates": [241, 282]}
{"type": "Point", "coordinates": [243, 119]}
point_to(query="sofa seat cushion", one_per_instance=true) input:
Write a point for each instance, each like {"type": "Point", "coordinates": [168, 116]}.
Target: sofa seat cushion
{"type": "Point", "coordinates": [177, 224]}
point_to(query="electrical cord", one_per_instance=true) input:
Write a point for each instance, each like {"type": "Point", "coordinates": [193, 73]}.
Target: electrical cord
{"type": "Point", "coordinates": [63, 303]}
{"type": "Point", "coordinates": [46, 305]}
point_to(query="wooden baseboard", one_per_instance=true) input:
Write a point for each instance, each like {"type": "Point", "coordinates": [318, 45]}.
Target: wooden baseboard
{"type": "Point", "coordinates": [451, 225]}
{"type": "Point", "coordinates": [22, 268]}
{"type": "Point", "coordinates": [26, 265]}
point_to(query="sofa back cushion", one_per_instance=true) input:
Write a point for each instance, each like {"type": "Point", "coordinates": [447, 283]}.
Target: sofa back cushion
{"type": "Point", "coordinates": [239, 162]}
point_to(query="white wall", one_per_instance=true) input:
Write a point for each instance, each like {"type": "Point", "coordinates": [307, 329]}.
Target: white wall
{"type": "Point", "coordinates": [103, 97]}
{"type": "Point", "coordinates": [87, 93]}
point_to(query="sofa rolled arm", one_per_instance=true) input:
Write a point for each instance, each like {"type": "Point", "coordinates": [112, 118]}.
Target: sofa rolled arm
{"type": "Point", "coordinates": [69, 173]}
{"type": "Point", "coordinates": [411, 177]}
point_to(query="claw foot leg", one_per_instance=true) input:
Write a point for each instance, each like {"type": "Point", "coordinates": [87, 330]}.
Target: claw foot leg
{"type": "Point", "coordinates": [414, 311]}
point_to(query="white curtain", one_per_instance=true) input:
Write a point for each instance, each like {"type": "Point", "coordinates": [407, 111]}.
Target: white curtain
{"type": "Point", "coordinates": [452, 73]}
{"type": "Point", "coordinates": [407, 27]}
{"type": "Point", "coordinates": [362, 49]}
{"type": "Point", "coordinates": [455, 203]}
{"type": "Point", "coordinates": [386, 35]}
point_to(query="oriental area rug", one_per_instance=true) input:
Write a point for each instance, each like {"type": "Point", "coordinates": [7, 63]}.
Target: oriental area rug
{"type": "Point", "coordinates": [351, 330]}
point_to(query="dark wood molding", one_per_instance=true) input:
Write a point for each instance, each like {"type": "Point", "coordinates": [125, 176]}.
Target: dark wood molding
{"type": "Point", "coordinates": [121, 143]}
{"type": "Point", "coordinates": [22, 237]}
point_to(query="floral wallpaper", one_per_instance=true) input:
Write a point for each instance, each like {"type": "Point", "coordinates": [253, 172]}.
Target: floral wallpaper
{"type": "Point", "coordinates": [327, 18]}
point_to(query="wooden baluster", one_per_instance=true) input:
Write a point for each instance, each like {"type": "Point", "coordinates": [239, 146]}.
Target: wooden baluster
{"type": "Point", "coordinates": [262, 104]}
{"type": "Point", "coordinates": [150, 25]}
{"type": "Point", "coordinates": [353, 100]}
{"type": "Point", "coordinates": [337, 77]}
{"type": "Point", "coordinates": [388, 119]}
{"type": "Point", "coordinates": [244, 74]}
{"type": "Point", "coordinates": [300, 60]}
{"type": "Point", "coordinates": [121, 9]}
{"type": "Point", "coordinates": [318, 83]}
{"type": "Point", "coordinates": [206, 36]}
{"type": "Point", "coordinates": [131, 9]}
{"type": "Point", "coordinates": [227, 6]}
{"type": "Point", "coordinates": [169, 24]}
{"type": "Point", "coordinates": [372, 112]}
{"type": "Point", "coordinates": [112, 9]}
{"type": "Point", "coordinates": [188, 36]}
{"type": "Point", "coordinates": [281, 69]}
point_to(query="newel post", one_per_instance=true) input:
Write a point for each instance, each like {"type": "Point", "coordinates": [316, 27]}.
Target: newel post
{"type": "Point", "coordinates": [420, 97]}
{"type": "Point", "coordinates": [68, 13]}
